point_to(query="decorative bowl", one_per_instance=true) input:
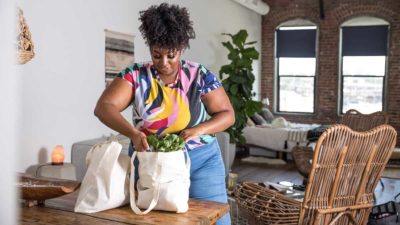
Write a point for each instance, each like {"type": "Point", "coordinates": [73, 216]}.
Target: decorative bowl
{"type": "Point", "coordinates": [41, 188]}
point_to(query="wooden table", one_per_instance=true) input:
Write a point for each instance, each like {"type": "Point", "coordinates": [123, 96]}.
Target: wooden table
{"type": "Point", "coordinates": [60, 211]}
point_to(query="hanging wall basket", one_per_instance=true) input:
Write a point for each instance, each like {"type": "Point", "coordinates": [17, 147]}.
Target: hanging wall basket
{"type": "Point", "coordinates": [25, 46]}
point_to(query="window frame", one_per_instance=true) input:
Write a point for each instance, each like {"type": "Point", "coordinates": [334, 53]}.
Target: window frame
{"type": "Point", "coordinates": [375, 21]}
{"type": "Point", "coordinates": [276, 84]}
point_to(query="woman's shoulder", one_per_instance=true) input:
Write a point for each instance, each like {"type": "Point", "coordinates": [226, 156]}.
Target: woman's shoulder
{"type": "Point", "coordinates": [194, 66]}
{"type": "Point", "coordinates": [140, 65]}
{"type": "Point", "coordinates": [137, 68]}
{"type": "Point", "coordinates": [190, 64]}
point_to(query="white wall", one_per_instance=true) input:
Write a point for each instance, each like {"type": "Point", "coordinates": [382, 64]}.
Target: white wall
{"type": "Point", "coordinates": [60, 86]}
{"type": "Point", "coordinates": [9, 126]}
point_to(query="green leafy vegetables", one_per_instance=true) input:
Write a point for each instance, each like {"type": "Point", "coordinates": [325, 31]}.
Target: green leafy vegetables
{"type": "Point", "coordinates": [168, 143]}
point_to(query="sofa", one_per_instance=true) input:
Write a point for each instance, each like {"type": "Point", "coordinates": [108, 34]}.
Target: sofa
{"type": "Point", "coordinates": [281, 139]}
{"type": "Point", "coordinates": [267, 135]}
{"type": "Point", "coordinates": [81, 148]}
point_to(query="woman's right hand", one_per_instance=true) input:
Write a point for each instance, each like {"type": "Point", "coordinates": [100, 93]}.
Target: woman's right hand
{"type": "Point", "coordinates": [139, 140]}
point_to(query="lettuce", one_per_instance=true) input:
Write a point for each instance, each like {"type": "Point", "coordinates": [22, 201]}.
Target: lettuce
{"type": "Point", "coordinates": [168, 143]}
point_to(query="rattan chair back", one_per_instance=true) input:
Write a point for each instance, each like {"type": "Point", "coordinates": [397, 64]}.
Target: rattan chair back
{"type": "Point", "coordinates": [363, 122]}
{"type": "Point", "coordinates": [346, 168]}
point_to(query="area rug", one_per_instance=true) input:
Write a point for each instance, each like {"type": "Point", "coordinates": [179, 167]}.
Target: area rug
{"type": "Point", "coordinates": [263, 160]}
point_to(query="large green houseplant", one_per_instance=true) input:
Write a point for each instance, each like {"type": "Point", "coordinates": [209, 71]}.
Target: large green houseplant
{"type": "Point", "coordinates": [238, 79]}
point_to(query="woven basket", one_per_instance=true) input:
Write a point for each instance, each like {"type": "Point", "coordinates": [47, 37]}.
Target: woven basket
{"type": "Point", "coordinates": [25, 46]}
{"type": "Point", "coordinates": [267, 206]}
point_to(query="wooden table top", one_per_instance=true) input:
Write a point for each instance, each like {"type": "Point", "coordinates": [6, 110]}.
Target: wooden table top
{"type": "Point", "coordinates": [60, 211]}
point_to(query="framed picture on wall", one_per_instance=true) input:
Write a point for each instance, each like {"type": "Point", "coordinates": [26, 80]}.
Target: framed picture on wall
{"type": "Point", "coordinates": [119, 53]}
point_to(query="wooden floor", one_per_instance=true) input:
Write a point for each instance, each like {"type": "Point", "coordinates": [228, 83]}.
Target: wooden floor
{"type": "Point", "coordinates": [262, 173]}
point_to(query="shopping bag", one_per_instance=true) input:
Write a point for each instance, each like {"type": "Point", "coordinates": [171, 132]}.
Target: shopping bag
{"type": "Point", "coordinates": [106, 182]}
{"type": "Point", "coordinates": [163, 184]}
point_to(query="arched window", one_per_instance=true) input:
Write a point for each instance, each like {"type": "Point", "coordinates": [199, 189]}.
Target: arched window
{"type": "Point", "coordinates": [363, 60]}
{"type": "Point", "coordinates": [295, 57]}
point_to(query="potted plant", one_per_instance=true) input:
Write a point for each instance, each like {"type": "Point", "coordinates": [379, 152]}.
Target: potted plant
{"type": "Point", "coordinates": [238, 82]}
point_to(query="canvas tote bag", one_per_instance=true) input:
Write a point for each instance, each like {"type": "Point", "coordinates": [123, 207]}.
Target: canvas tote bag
{"type": "Point", "coordinates": [106, 182]}
{"type": "Point", "coordinates": [164, 180]}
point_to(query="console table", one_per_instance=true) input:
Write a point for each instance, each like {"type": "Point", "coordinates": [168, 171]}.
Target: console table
{"type": "Point", "coordinates": [60, 211]}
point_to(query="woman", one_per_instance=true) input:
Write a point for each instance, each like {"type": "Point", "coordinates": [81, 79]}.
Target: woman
{"type": "Point", "coordinates": [173, 96]}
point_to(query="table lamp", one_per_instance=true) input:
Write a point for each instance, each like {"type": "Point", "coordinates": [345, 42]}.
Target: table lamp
{"type": "Point", "coordinates": [57, 155]}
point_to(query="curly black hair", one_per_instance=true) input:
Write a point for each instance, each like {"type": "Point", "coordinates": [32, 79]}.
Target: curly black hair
{"type": "Point", "coordinates": [167, 26]}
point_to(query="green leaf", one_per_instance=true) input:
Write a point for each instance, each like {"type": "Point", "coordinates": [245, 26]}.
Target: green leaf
{"type": "Point", "coordinates": [234, 89]}
{"type": "Point", "coordinates": [251, 76]}
{"type": "Point", "coordinates": [240, 38]}
{"type": "Point", "coordinates": [152, 140]}
{"type": "Point", "coordinates": [241, 139]}
{"type": "Point", "coordinates": [235, 101]}
{"type": "Point", "coordinates": [250, 43]}
{"type": "Point", "coordinates": [250, 53]}
{"type": "Point", "coordinates": [229, 46]}
{"type": "Point", "coordinates": [226, 85]}
{"type": "Point", "coordinates": [226, 69]}
{"type": "Point", "coordinates": [234, 55]}
{"type": "Point", "coordinates": [241, 120]}
{"type": "Point", "coordinates": [245, 63]}
{"type": "Point", "coordinates": [246, 91]}
{"type": "Point", "coordinates": [168, 143]}
{"type": "Point", "coordinates": [237, 79]}
{"type": "Point", "coordinates": [253, 107]}
{"type": "Point", "coordinates": [227, 34]}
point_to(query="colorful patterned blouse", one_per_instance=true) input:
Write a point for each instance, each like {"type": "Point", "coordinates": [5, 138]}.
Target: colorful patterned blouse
{"type": "Point", "coordinates": [171, 108]}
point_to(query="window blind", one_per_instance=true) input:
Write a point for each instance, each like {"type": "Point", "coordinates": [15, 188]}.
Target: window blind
{"type": "Point", "coordinates": [364, 41]}
{"type": "Point", "coordinates": [296, 43]}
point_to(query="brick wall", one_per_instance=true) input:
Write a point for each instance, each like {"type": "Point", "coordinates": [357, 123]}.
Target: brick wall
{"type": "Point", "coordinates": [336, 12]}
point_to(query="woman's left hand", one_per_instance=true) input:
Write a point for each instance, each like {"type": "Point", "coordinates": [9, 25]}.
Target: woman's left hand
{"type": "Point", "coordinates": [190, 133]}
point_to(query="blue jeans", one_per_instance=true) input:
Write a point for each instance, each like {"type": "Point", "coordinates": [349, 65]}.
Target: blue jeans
{"type": "Point", "coordinates": [207, 176]}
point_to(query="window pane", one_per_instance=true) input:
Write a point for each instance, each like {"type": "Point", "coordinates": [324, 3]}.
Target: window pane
{"type": "Point", "coordinates": [297, 66]}
{"type": "Point", "coordinates": [296, 94]}
{"type": "Point", "coordinates": [364, 65]}
{"type": "Point", "coordinates": [363, 94]}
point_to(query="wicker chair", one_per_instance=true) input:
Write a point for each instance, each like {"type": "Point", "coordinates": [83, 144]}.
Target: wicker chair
{"type": "Point", "coordinates": [352, 118]}
{"type": "Point", "coordinates": [302, 156]}
{"type": "Point", "coordinates": [346, 168]}
{"type": "Point", "coordinates": [363, 122]}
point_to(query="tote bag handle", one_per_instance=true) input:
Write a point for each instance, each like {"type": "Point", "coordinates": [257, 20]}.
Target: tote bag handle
{"type": "Point", "coordinates": [156, 192]}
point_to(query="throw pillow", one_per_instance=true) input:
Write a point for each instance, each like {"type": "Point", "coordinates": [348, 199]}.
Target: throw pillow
{"type": "Point", "coordinates": [258, 120]}
{"type": "Point", "coordinates": [267, 115]}
{"type": "Point", "coordinates": [279, 122]}
{"type": "Point", "coordinates": [250, 123]}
